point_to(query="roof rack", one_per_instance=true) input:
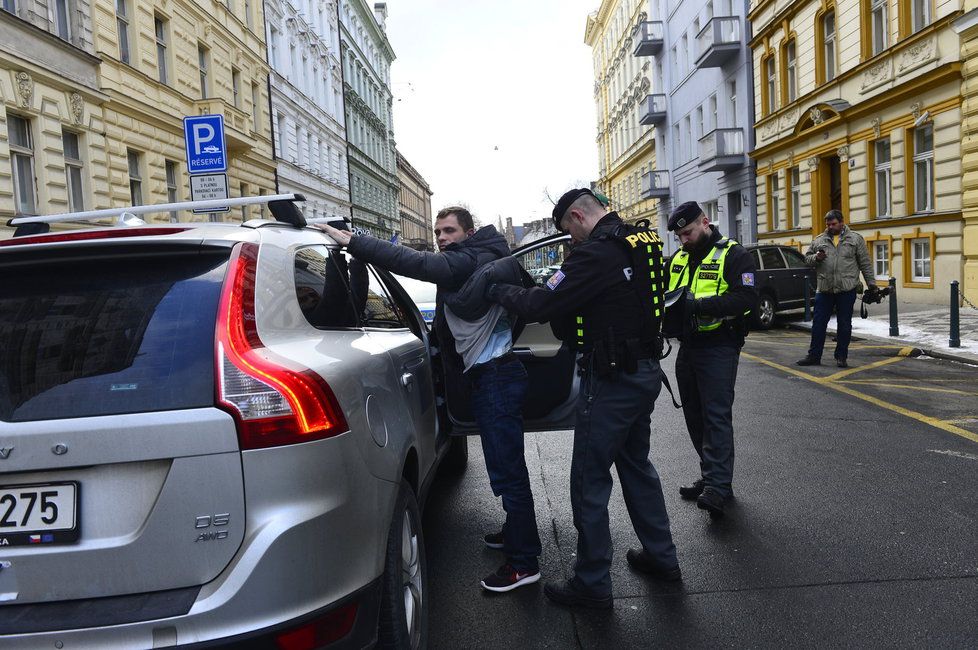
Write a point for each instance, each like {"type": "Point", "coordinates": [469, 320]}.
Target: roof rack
{"type": "Point", "coordinates": [281, 206]}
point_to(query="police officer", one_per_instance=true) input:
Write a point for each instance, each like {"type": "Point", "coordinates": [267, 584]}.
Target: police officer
{"type": "Point", "coordinates": [606, 301]}
{"type": "Point", "coordinates": [719, 275]}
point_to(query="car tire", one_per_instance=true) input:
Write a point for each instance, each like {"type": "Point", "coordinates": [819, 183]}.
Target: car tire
{"type": "Point", "coordinates": [403, 621]}
{"type": "Point", "coordinates": [764, 315]}
{"type": "Point", "coordinates": [456, 458]}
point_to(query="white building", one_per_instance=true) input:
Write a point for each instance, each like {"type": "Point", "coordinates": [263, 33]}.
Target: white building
{"type": "Point", "coordinates": [307, 103]}
{"type": "Point", "coordinates": [367, 57]}
{"type": "Point", "coordinates": [704, 114]}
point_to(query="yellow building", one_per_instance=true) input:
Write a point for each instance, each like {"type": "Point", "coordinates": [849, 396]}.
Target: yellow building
{"type": "Point", "coordinates": [94, 103]}
{"type": "Point", "coordinates": [622, 89]}
{"type": "Point", "coordinates": [967, 27]}
{"type": "Point", "coordinates": [858, 107]}
{"type": "Point", "coordinates": [166, 59]}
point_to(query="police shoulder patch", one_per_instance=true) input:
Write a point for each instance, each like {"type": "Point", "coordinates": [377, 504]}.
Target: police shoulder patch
{"type": "Point", "coordinates": [747, 279]}
{"type": "Point", "coordinates": [555, 279]}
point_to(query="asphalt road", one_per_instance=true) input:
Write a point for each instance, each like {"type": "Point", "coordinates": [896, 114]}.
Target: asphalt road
{"type": "Point", "coordinates": [855, 523]}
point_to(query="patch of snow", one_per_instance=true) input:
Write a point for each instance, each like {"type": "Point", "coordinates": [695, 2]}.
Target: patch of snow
{"type": "Point", "coordinates": [910, 336]}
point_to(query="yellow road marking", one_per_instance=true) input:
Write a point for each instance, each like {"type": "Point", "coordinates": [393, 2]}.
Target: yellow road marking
{"type": "Point", "coordinates": [917, 379]}
{"type": "Point", "coordinates": [920, 417]}
{"type": "Point", "coordinates": [901, 355]}
{"type": "Point", "coordinates": [880, 384]}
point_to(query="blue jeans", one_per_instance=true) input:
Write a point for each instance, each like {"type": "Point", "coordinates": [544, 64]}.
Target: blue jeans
{"type": "Point", "coordinates": [706, 378]}
{"type": "Point", "coordinates": [613, 428]}
{"type": "Point", "coordinates": [843, 304]}
{"type": "Point", "coordinates": [498, 392]}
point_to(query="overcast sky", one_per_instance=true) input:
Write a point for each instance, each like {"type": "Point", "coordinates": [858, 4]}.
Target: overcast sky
{"type": "Point", "coordinates": [493, 101]}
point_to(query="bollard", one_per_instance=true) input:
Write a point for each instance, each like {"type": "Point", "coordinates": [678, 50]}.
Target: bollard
{"type": "Point", "coordinates": [955, 340]}
{"type": "Point", "coordinates": [808, 300]}
{"type": "Point", "coordinates": [894, 324]}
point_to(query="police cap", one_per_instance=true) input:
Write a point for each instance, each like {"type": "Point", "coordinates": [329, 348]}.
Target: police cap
{"type": "Point", "coordinates": [566, 200]}
{"type": "Point", "coordinates": [684, 214]}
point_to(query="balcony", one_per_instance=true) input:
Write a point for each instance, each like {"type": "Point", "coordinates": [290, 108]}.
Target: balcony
{"type": "Point", "coordinates": [722, 150]}
{"type": "Point", "coordinates": [237, 123]}
{"type": "Point", "coordinates": [718, 41]}
{"type": "Point", "coordinates": [653, 110]}
{"type": "Point", "coordinates": [655, 185]}
{"type": "Point", "coordinates": [648, 36]}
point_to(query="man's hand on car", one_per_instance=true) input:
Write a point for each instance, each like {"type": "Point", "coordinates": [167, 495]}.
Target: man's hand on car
{"type": "Point", "coordinates": [341, 237]}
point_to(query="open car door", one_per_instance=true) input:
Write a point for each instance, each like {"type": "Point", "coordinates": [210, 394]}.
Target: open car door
{"type": "Point", "coordinates": [551, 365]}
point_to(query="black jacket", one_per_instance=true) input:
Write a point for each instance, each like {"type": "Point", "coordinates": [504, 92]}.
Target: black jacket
{"type": "Point", "coordinates": [738, 298]}
{"type": "Point", "coordinates": [448, 269]}
{"type": "Point", "coordinates": [470, 303]}
{"type": "Point", "coordinates": [592, 283]}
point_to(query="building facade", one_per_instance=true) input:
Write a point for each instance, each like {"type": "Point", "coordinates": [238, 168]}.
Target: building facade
{"type": "Point", "coordinates": [307, 104]}
{"type": "Point", "coordinates": [414, 205]}
{"type": "Point", "coordinates": [967, 28]}
{"type": "Point", "coordinates": [52, 141]}
{"type": "Point", "coordinates": [366, 57]}
{"type": "Point", "coordinates": [704, 112]}
{"type": "Point", "coordinates": [859, 108]}
{"type": "Point", "coordinates": [622, 85]}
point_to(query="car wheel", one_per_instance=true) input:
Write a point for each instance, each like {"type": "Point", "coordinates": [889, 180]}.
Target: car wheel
{"type": "Point", "coordinates": [764, 316]}
{"type": "Point", "coordinates": [457, 457]}
{"type": "Point", "coordinates": [404, 604]}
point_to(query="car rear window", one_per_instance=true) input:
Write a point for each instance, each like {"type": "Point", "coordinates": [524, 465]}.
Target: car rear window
{"type": "Point", "coordinates": [106, 336]}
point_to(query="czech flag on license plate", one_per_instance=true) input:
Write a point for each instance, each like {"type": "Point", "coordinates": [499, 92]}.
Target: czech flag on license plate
{"type": "Point", "coordinates": [34, 539]}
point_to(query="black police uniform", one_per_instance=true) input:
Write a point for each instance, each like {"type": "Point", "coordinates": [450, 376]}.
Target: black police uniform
{"type": "Point", "coordinates": [706, 370]}
{"type": "Point", "coordinates": [593, 305]}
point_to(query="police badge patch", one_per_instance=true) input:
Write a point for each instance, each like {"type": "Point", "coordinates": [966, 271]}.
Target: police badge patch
{"type": "Point", "coordinates": [747, 279]}
{"type": "Point", "coordinates": [555, 279]}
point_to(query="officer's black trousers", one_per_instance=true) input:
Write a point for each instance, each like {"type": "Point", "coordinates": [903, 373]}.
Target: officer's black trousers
{"type": "Point", "coordinates": [706, 378]}
{"type": "Point", "coordinates": [612, 427]}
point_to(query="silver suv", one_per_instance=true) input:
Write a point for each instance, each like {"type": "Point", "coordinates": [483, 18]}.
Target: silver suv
{"type": "Point", "coordinates": [219, 434]}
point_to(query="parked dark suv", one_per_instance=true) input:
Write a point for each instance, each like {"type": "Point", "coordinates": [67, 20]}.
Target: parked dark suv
{"type": "Point", "coordinates": [780, 280]}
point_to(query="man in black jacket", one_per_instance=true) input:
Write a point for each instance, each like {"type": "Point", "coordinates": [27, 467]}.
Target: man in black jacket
{"type": "Point", "coordinates": [719, 274]}
{"type": "Point", "coordinates": [603, 302]}
{"type": "Point", "coordinates": [497, 379]}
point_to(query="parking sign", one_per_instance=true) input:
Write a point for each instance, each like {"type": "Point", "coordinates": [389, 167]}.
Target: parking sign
{"type": "Point", "coordinates": [206, 150]}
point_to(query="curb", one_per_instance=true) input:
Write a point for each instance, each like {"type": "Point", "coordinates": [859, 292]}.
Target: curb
{"type": "Point", "coordinates": [917, 351]}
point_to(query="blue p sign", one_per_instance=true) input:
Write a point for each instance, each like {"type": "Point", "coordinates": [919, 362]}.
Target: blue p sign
{"type": "Point", "coordinates": [206, 149]}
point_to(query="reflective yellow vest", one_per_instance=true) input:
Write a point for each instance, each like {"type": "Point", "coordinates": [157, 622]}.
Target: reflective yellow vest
{"type": "Point", "coordinates": [707, 281]}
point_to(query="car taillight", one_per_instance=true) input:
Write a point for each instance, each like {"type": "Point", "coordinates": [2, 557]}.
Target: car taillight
{"type": "Point", "coordinates": [330, 628]}
{"type": "Point", "coordinates": [274, 401]}
{"type": "Point", "coordinates": [86, 235]}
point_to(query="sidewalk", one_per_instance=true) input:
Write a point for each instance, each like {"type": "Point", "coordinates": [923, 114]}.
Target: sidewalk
{"type": "Point", "coordinates": [921, 326]}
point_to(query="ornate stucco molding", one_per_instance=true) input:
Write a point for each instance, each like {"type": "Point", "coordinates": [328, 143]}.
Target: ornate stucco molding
{"type": "Point", "coordinates": [843, 153]}
{"type": "Point", "coordinates": [813, 164]}
{"type": "Point", "coordinates": [77, 107]}
{"type": "Point", "coordinates": [918, 54]}
{"type": "Point", "coordinates": [877, 75]}
{"type": "Point", "coordinates": [25, 88]}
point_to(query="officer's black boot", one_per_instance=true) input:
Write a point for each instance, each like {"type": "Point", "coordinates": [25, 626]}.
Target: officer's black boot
{"type": "Point", "coordinates": [712, 501]}
{"type": "Point", "coordinates": [690, 492]}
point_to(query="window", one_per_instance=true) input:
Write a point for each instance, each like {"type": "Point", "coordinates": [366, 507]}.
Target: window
{"type": "Point", "coordinates": [255, 108]}
{"type": "Point", "coordinates": [771, 258]}
{"type": "Point", "coordinates": [236, 87]}
{"type": "Point", "coordinates": [378, 310]}
{"type": "Point", "coordinates": [920, 260]}
{"type": "Point", "coordinates": [774, 199]}
{"type": "Point", "coordinates": [772, 84]}
{"type": "Point", "coordinates": [791, 70]}
{"type": "Point", "coordinates": [919, 14]}
{"type": "Point", "coordinates": [273, 49]}
{"type": "Point", "coordinates": [794, 259]}
{"type": "Point", "coordinates": [713, 112]}
{"type": "Point", "coordinates": [828, 46]}
{"type": "Point", "coordinates": [203, 60]}
{"type": "Point", "coordinates": [135, 177]}
{"type": "Point", "coordinates": [247, 14]}
{"type": "Point", "coordinates": [122, 25]}
{"type": "Point", "coordinates": [794, 190]}
{"type": "Point", "coordinates": [9, 6]}
{"type": "Point", "coordinates": [62, 19]}
{"type": "Point", "coordinates": [22, 163]}
{"type": "Point", "coordinates": [700, 126]}
{"type": "Point", "coordinates": [881, 259]}
{"type": "Point", "coordinates": [688, 133]}
{"type": "Point", "coordinates": [882, 177]}
{"type": "Point", "coordinates": [280, 133]}
{"type": "Point", "coordinates": [879, 25]}
{"type": "Point", "coordinates": [923, 168]}
{"type": "Point", "coordinates": [73, 171]}
{"type": "Point", "coordinates": [161, 40]}
{"type": "Point", "coordinates": [242, 192]}
{"type": "Point", "coordinates": [171, 187]}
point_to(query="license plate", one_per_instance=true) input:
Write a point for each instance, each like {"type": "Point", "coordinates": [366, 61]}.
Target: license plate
{"type": "Point", "coordinates": [38, 514]}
